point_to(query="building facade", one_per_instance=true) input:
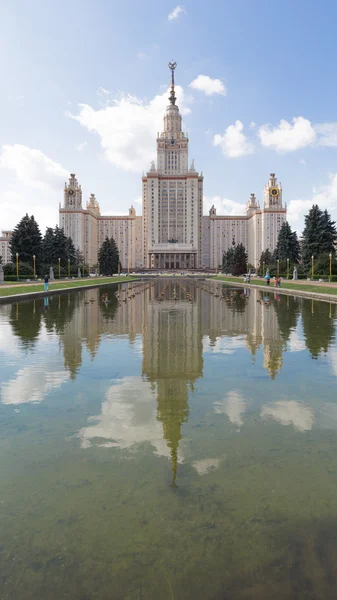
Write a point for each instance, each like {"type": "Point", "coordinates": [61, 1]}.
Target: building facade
{"type": "Point", "coordinates": [172, 232]}
{"type": "Point", "coordinates": [5, 251]}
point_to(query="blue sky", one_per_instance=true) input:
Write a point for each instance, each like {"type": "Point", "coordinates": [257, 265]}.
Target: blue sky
{"type": "Point", "coordinates": [84, 89]}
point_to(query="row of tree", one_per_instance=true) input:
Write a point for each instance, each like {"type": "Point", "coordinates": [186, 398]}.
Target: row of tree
{"type": "Point", "coordinates": [317, 246]}
{"type": "Point", "coordinates": [52, 249]}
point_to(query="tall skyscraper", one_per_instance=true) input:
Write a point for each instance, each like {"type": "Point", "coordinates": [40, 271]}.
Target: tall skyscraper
{"type": "Point", "coordinates": [172, 233]}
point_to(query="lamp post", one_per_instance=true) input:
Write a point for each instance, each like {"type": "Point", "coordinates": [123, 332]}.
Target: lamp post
{"type": "Point", "coordinates": [59, 268]}
{"type": "Point", "coordinates": [98, 268]}
{"type": "Point", "coordinates": [263, 269]}
{"type": "Point", "coordinates": [17, 266]}
{"type": "Point", "coordinates": [128, 265]}
{"type": "Point", "coordinates": [119, 267]}
{"type": "Point", "coordinates": [287, 268]}
{"type": "Point", "coordinates": [312, 266]}
{"type": "Point", "coordinates": [68, 267]}
{"type": "Point", "coordinates": [34, 264]}
{"type": "Point", "coordinates": [278, 267]}
{"type": "Point", "coordinates": [330, 256]}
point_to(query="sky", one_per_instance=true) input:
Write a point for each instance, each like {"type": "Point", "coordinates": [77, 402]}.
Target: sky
{"type": "Point", "coordinates": [85, 87]}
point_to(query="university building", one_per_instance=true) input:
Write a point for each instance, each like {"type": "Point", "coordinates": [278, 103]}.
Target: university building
{"type": "Point", "coordinates": [172, 232]}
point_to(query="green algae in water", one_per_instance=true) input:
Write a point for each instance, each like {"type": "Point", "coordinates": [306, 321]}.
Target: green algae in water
{"type": "Point", "coordinates": [177, 449]}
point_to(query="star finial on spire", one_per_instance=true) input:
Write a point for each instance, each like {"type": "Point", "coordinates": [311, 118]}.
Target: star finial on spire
{"type": "Point", "coordinates": [172, 65]}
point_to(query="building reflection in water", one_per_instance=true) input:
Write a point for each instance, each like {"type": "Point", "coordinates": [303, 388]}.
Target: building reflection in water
{"type": "Point", "coordinates": [176, 322]}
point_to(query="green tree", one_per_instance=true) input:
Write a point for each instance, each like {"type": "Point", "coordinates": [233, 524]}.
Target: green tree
{"type": "Point", "coordinates": [48, 247]}
{"type": "Point", "coordinates": [330, 234]}
{"type": "Point", "coordinates": [287, 244]}
{"type": "Point", "coordinates": [108, 257]}
{"type": "Point", "coordinates": [60, 246]}
{"type": "Point", "coordinates": [266, 261]}
{"type": "Point", "coordinates": [79, 258]}
{"type": "Point", "coordinates": [26, 240]}
{"type": "Point", "coordinates": [240, 260]}
{"type": "Point", "coordinates": [70, 251]}
{"type": "Point", "coordinates": [322, 265]}
{"type": "Point", "coordinates": [319, 235]}
{"type": "Point", "coordinates": [228, 260]}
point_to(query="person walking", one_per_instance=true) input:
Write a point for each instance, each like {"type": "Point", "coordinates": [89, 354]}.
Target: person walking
{"type": "Point", "coordinates": [267, 278]}
{"type": "Point", "coordinates": [46, 283]}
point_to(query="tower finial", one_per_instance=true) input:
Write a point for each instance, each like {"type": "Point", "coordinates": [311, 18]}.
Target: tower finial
{"type": "Point", "coordinates": [172, 65]}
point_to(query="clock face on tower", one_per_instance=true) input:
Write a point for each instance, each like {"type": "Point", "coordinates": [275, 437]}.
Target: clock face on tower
{"type": "Point", "coordinates": [274, 192]}
{"type": "Point", "coordinates": [71, 192]}
{"type": "Point", "coordinates": [172, 142]}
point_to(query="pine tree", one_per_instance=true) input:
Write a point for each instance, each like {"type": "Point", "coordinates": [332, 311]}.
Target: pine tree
{"type": "Point", "coordinates": [26, 240]}
{"type": "Point", "coordinates": [330, 234]}
{"type": "Point", "coordinates": [79, 258]}
{"type": "Point", "coordinates": [60, 246]}
{"type": "Point", "coordinates": [240, 260]}
{"type": "Point", "coordinates": [108, 257]}
{"type": "Point", "coordinates": [287, 244]}
{"type": "Point", "coordinates": [48, 247]}
{"type": "Point", "coordinates": [319, 235]}
{"type": "Point", "coordinates": [70, 251]}
{"type": "Point", "coordinates": [228, 261]}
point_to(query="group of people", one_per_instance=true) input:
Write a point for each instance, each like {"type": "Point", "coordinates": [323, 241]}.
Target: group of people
{"type": "Point", "coordinates": [277, 280]}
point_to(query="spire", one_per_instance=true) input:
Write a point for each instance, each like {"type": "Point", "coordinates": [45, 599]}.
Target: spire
{"type": "Point", "coordinates": [172, 65]}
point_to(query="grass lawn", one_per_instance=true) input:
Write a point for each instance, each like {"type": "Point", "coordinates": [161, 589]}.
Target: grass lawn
{"type": "Point", "coordinates": [13, 289]}
{"type": "Point", "coordinates": [305, 287]}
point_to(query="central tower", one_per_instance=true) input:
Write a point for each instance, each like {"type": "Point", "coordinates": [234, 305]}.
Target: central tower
{"type": "Point", "coordinates": [172, 199]}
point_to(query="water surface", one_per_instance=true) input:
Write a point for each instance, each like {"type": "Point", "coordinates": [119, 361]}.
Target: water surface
{"type": "Point", "coordinates": [179, 442]}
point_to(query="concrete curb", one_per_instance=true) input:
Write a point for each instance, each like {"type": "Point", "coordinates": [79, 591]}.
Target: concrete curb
{"type": "Point", "coordinates": [285, 291]}
{"type": "Point", "coordinates": [51, 292]}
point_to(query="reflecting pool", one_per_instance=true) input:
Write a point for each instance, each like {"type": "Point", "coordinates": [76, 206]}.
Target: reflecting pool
{"type": "Point", "coordinates": [177, 441]}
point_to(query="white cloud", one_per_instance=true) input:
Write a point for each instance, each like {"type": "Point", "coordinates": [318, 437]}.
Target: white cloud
{"type": "Point", "coordinates": [207, 465]}
{"type": "Point", "coordinates": [43, 206]}
{"type": "Point", "coordinates": [80, 147]}
{"type": "Point", "coordinates": [327, 134]}
{"type": "Point", "coordinates": [296, 342]}
{"type": "Point", "coordinates": [234, 405]}
{"type": "Point", "coordinates": [223, 344]}
{"type": "Point", "coordinates": [252, 124]}
{"type": "Point", "coordinates": [128, 417]}
{"type": "Point", "coordinates": [288, 137]}
{"type": "Point", "coordinates": [204, 83]}
{"type": "Point", "coordinates": [32, 383]}
{"type": "Point", "coordinates": [176, 12]}
{"type": "Point", "coordinates": [32, 167]}
{"type": "Point", "coordinates": [224, 206]}
{"type": "Point", "coordinates": [326, 198]}
{"type": "Point", "coordinates": [289, 413]}
{"type": "Point", "coordinates": [233, 142]}
{"type": "Point", "coordinates": [127, 127]}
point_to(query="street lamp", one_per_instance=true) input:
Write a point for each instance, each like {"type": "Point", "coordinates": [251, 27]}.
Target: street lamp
{"type": "Point", "coordinates": [98, 268]}
{"type": "Point", "coordinates": [263, 269]}
{"type": "Point", "coordinates": [330, 256]}
{"type": "Point", "coordinates": [17, 266]}
{"type": "Point", "coordinates": [128, 265]}
{"type": "Point", "coordinates": [68, 267]}
{"type": "Point", "coordinates": [312, 266]}
{"type": "Point", "coordinates": [59, 268]}
{"type": "Point", "coordinates": [34, 263]}
{"type": "Point", "coordinates": [287, 268]}
{"type": "Point", "coordinates": [278, 267]}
